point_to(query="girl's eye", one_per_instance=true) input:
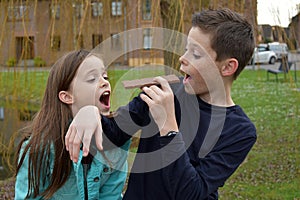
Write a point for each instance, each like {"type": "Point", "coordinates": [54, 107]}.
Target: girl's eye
{"type": "Point", "coordinates": [91, 80]}
{"type": "Point", "coordinates": [105, 76]}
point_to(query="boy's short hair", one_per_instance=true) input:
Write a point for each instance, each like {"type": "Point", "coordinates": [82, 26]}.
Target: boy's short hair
{"type": "Point", "coordinates": [231, 35]}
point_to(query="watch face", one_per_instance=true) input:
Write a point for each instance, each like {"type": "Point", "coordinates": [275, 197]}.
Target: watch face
{"type": "Point", "coordinates": [172, 133]}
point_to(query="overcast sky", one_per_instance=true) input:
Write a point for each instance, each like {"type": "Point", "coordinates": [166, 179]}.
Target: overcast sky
{"type": "Point", "coordinates": [276, 12]}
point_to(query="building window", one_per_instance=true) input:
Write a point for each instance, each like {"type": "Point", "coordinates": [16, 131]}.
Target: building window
{"type": "Point", "coordinates": [19, 12]}
{"type": "Point", "coordinates": [55, 42]}
{"type": "Point", "coordinates": [55, 11]}
{"type": "Point", "coordinates": [79, 41]}
{"type": "Point", "coordinates": [146, 9]}
{"type": "Point", "coordinates": [97, 39]}
{"type": "Point", "coordinates": [25, 47]}
{"type": "Point", "coordinates": [1, 113]}
{"type": "Point", "coordinates": [79, 10]}
{"type": "Point", "coordinates": [97, 9]}
{"type": "Point", "coordinates": [116, 8]}
{"type": "Point", "coordinates": [115, 41]}
{"type": "Point", "coordinates": [147, 38]}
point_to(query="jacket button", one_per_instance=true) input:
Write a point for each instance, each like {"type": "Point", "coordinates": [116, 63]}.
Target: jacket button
{"type": "Point", "coordinates": [105, 169]}
{"type": "Point", "coordinates": [96, 179]}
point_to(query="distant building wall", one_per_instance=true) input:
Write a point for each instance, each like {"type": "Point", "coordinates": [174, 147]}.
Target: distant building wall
{"type": "Point", "coordinates": [48, 29]}
{"type": "Point", "coordinates": [294, 27]}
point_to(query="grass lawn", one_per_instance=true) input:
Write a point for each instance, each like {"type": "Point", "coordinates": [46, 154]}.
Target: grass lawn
{"type": "Point", "coordinates": [272, 169]}
{"type": "Point", "coordinates": [28, 87]}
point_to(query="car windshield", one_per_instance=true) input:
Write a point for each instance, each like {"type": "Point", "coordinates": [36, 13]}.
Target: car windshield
{"type": "Point", "coordinates": [260, 49]}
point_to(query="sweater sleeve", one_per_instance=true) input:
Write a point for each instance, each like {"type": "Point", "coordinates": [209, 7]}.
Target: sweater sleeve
{"type": "Point", "coordinates": [187, 179]}
{"type": "Point", "coordinates": [126, 122]}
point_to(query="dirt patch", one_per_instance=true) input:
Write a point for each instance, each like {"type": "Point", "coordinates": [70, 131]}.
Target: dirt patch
{"type": "Point", "coordinates": [7, 189]}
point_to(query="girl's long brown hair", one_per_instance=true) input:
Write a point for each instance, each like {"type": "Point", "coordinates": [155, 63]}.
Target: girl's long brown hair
{"type": "Point", "coordinates": [49, 128]}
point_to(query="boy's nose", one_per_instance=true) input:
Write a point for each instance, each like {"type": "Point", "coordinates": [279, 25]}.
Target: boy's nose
{"type": "Point", "coordinates": [183, 61]}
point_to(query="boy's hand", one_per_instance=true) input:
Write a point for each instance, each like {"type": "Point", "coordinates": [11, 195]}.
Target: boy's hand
{"type": "Point", "coordinates": [86, 123]}
{"type": "Point", "coordinates": [161, 105]}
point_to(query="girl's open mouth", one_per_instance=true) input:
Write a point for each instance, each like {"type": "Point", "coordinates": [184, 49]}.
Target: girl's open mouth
{"type": "Point", "coordinates": [105, 99]}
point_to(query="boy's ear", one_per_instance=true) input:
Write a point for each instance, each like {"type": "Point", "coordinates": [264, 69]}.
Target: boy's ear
{"type": "Point", "coordinates": [65, 97]}
{"type": "Point", "coordinates": [230, 66]}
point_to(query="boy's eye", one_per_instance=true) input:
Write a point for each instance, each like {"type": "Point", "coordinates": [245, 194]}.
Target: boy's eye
{"type": "Point", "coordinates": [106, 78]}
{"type": "Point", "coordinates": [196, 54]}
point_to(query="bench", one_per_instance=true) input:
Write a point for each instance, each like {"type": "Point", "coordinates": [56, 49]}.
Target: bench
{"type": "Point", "coordinates": [284, 68]}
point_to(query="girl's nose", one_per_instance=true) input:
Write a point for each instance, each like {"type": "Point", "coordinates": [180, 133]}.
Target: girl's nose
{"type": "Point", "coordinates": [103, 83]}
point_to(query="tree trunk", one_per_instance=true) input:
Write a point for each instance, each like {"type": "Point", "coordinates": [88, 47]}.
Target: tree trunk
{"type": "Point", "coordinates": [171, 12]}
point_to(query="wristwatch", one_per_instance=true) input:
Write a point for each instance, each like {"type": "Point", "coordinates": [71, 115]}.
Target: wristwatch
{"type": "Point", "coordinates": [171, 133]}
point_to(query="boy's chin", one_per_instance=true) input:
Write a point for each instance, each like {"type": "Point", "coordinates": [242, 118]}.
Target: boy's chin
{"type": "Point", "coordinates": [188, 89]}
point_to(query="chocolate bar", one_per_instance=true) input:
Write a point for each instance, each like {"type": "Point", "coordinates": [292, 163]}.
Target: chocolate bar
{"type": "Point", "coordinates": [139, 83]}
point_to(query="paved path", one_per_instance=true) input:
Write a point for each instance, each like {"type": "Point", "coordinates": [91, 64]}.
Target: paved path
{"type": "Point", "coordinates": [11, 69]}
{"type": "Point", "coordinates": [293, 57]}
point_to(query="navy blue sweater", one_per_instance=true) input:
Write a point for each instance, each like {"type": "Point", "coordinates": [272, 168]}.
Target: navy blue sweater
{"type": "Point", "coordinates": [182, 166]}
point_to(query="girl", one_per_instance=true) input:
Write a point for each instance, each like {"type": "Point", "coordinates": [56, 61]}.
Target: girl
{"type": "Point", "coordinates": [44, 169]}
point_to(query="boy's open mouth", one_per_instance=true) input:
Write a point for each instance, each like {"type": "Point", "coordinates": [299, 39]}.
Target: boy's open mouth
{"type": "Point", "coordinates": [186, 77]}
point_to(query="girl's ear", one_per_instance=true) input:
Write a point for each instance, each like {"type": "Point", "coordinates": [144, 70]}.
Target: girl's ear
{"type": "Point", "coordinates": [65, 97]}
{"type": "Point", "coordinates": [230, 66]}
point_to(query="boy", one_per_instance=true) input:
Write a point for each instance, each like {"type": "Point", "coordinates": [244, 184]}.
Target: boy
{"type": "Point", "coordinates": [200, 137]}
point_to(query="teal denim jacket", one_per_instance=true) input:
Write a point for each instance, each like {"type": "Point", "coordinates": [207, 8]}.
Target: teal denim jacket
{"type": "Point", "coordinates": [105, 179]}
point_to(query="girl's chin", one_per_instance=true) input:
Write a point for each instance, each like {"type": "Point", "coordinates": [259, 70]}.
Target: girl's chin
{"type": "Point", "coordinates": [105, 111]}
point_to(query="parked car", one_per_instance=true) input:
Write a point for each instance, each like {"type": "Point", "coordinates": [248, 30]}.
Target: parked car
{"type": "Point", "coordinates": [281, 49]}
{"type": "Point", "coordinates": [263, 55]}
